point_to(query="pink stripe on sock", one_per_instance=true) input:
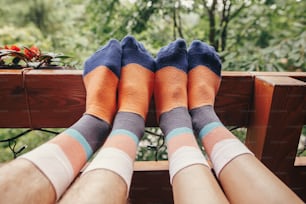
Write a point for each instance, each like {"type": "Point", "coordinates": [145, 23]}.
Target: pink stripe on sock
{"type": "Point", "coordinates": [72, 149]}
{"type": "Point", "coordinates": [122, 142]}
{"type": "Point", "coordinates": [178, 141]}
{"type": "Point", "coordinates": [215, 136]}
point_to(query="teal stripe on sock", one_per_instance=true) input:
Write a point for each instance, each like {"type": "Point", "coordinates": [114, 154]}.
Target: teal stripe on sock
{"type": "Point", "coordinates": [124, 132]}
{"type": "Point", "coordinates": [178, 131]}
{"type": "Point", "coordinates": [80, 138]}
{"type": "Point", "coordinates": [209, 127]}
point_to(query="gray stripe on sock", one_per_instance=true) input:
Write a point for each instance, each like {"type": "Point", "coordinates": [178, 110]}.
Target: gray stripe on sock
{"type": "Point", "coordinates": [131, 122]}
{"type": "Point", "coordinates": [175, 118]}
{"type": "Point", "coordinates": [202, 116]}
{"type": "Point", "coordinates": [93, 129]}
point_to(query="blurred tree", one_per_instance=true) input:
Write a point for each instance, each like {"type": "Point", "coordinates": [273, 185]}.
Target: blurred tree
{"type": "Point", "coordinates": [250, 35]}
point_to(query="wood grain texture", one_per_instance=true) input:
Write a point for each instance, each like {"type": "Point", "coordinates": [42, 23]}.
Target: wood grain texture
{"type": "Point", "coordinates": [13, 106]}
{"type": "Point", "coordinates": [234, 99]}
{"type": "Point", "coordinates": [276, 124]}
{"type": "Point", "coordinates": [151, 186]}
{"type": "Point", "coordinates": [57, 99]}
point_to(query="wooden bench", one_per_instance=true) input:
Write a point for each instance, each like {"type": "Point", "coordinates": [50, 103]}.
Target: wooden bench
{"type": "Point", "coordinates": [272, 106]}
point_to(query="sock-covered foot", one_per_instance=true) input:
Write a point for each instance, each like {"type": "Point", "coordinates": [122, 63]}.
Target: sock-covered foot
{"type": "Point", "coordinates": [204, 78]}
{"type": "Point", "coordinates": [101, 76]}
{"type": "Point", "coordinates": [62, 158]}
{"type": "Point", "coordinates": [170, 77]}
{"type": "Point", "coordinates": [204, 74]}
{"type": "Point", "coordinates": [171, 105]}
{"type": "Point", "coordinates": [136, 84]}
{"type": "Point", "coordinates": [135, 90]}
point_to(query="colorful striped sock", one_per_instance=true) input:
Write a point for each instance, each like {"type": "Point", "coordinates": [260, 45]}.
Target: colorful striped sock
{"type": "Point", "coordinates": [119, 151]}
{"type": "Point", "coordinates": [101, 77]}
{"type": "Point", "coordinates": [61, 159]}
{"type": "Point", "coordinates": [204, 79]}
{"type": "Point", "coordinates": [204, 74]}
{"type": "Point", "coordinates": [171, 105]}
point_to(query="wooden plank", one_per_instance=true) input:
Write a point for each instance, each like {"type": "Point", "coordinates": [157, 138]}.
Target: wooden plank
{"type": "Point", "coordinates": [296, 75]}
{"type": "Point", "coordinates": [234, 98]}
{"type": "Point", "coordinates": [296, 177]}
{"type": "Point", "coordinates": [300, 161]}
{"type": "Point", "coordinates": [275, 126]}
{"type": "Point", "coordinates": [56, 97]}
{"type": "Point", "coordinates": [51, 90]}
{"type": "Point", "coordinates": [151, 166]}
{"type": "Point", "coordinates": [13, 107]}
{"type": "Point", "coordinates": [151, 183]}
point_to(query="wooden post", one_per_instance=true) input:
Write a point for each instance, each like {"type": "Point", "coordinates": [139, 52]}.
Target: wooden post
{"type": "Point", "coordinates": [275, 127]}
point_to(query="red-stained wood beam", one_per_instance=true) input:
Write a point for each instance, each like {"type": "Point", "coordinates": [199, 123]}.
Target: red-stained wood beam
{"type": "Point", "coordinates": [56, 98]}
{"type": "Point", "coordinates": [276, 122]}
{"type": "Point", "coordinates": [13, 106]}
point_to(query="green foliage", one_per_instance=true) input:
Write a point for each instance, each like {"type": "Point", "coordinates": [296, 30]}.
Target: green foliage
{"type": "Point", "coordinates": [271, 39]}
{"type": "Point", "coordinates": [30, 140]}
{"type": "Point", "coordinates": [152, 147]}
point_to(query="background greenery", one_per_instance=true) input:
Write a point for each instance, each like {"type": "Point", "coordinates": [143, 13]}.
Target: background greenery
{"type": "Point", "coordinates": [250, 35]}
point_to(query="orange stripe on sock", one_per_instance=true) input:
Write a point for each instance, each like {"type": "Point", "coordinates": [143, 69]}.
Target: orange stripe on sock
{"type": "Point", "coordinates": [215, 136]}
{"type": "Point", "coordinates": [72, 149]}
{"type": "Point", "coordinates": [180, 141]}
{"type": "Point", "coordinates": [122, 142]}
{"type": "Point", "coordinates": [135, 89]}
{"type": "Point", "coordinates": [203, 85]}
{"type": "Point", "coordinates": [170, 89]}
{"type": "Point", "coordinates": [101, 87]}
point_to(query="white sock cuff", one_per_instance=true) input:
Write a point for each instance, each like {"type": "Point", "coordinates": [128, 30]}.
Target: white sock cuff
{"type": "Point", "coordinates": [225, 151]}
{"type": "Point", "coordinates": [184, 157]}
{"type": "Point", "coordinates": [115, 160]}
{"type": "Point", "coordinates": [54, 164]}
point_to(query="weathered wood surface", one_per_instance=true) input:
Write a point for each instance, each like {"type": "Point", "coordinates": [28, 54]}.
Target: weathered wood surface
{"type": "Point", "coordinates": [271, 105]}
{"type": "Point", "coordinates": [13, 106]}
{"type": "Point", "coordinates": [151, 180]}
{"type": "Point", "coordinates": [56, 98]}
{"type": "Point", "coordinates": [277, 118]}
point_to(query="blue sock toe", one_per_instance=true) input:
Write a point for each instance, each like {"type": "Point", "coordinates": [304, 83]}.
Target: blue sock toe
{"type": "Point", "coordinates": [200, 53]}
{"type": "Point", "coordinates": [109, 56]}
{"type": "Point", "coordinates": [134, 52]}
{"type": "Point", "coordinates": [175, 55]}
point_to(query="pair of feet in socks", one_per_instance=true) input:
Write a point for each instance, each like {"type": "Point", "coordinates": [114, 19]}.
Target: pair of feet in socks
{"type": "Point", "coordinates": [176, 71]}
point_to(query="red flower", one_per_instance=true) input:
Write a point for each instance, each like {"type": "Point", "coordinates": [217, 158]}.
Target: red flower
{"type": "Point", "coordinates": [32, 52]}
{"type": "Point", "coordinates": [12, 47]}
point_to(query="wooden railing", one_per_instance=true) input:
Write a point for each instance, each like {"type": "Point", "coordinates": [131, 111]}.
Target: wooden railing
{"type": "Point", "coordinates": [272, 106]}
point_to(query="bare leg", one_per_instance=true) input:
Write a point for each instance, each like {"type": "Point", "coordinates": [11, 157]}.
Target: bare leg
{"type": "Point", "coordinates": [248, 175]}
{"type": "Point", "coordinates": [15, 189]}
{"type": "Point", "coordinates": [98, 186]}
{"type": "Point", "coordinates": [195, 184]}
